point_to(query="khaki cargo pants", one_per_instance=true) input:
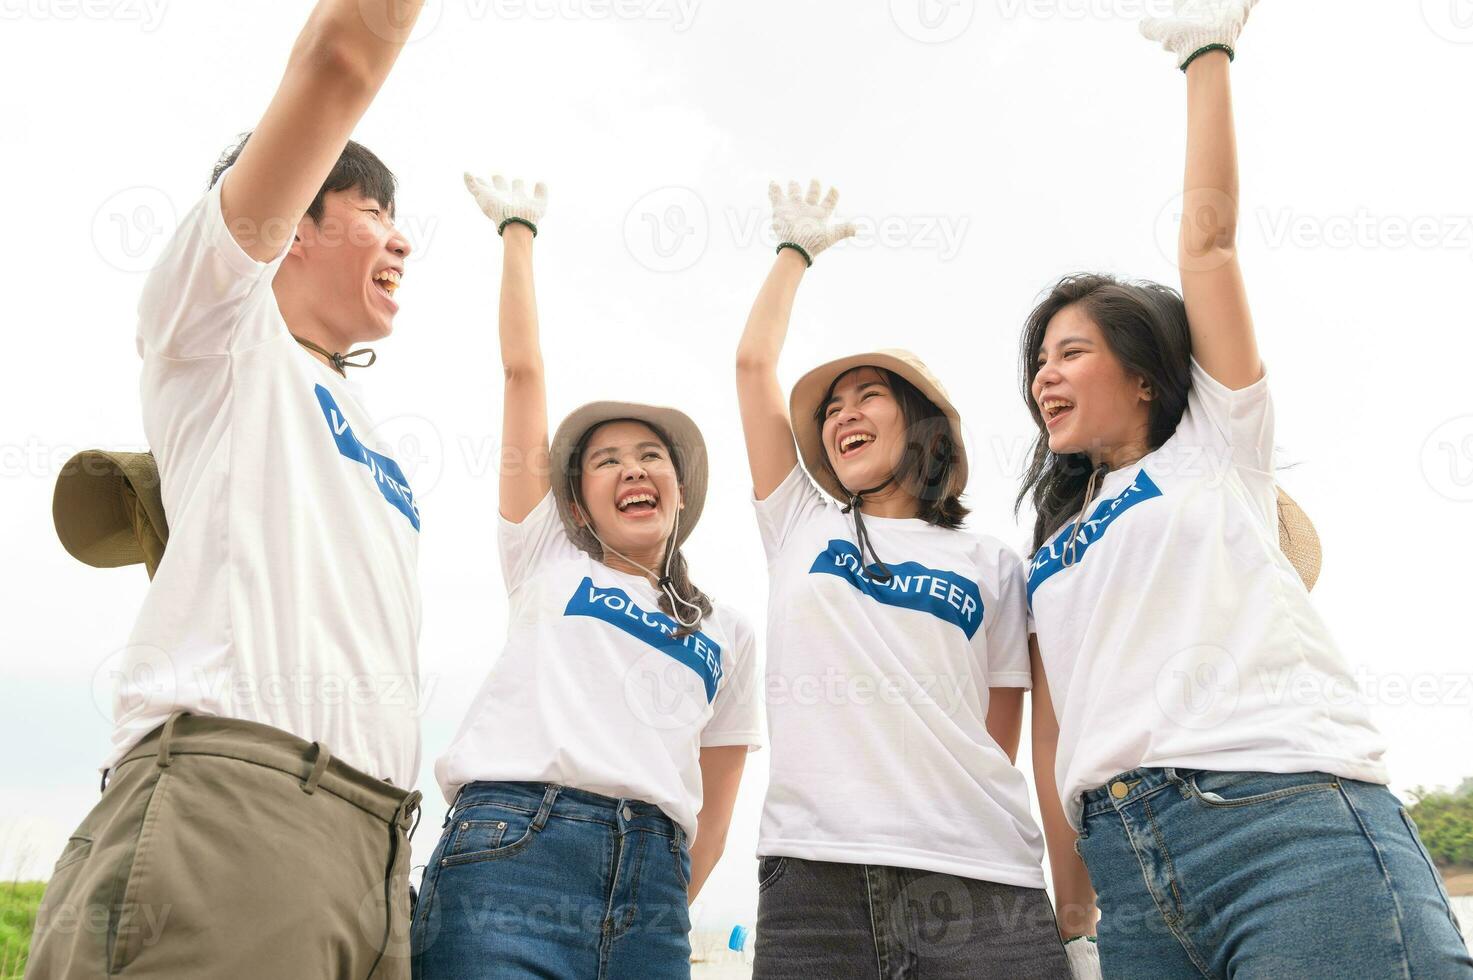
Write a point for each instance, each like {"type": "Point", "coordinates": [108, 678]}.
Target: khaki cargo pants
{"type": "Point", "coordinates": [227, 849]}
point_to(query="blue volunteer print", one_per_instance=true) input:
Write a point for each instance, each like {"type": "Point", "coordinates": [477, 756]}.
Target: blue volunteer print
{"type": "Point", "coordinates": [946, 595]}
{"type": "Point", "coordinates": [386, 473]}
{"type": "Point", "coordinates": [1050, 558]}
{"type": "Point", "coordinates": [697, 651]}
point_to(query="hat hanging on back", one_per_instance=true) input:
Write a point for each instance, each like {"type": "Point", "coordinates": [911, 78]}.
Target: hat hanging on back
{"type": "Point", "coordinates": [1299, 540]}
{"type": "Point", "coordinates": [688, 448]}
{"type": "Point", "coordinates": [108, 509]}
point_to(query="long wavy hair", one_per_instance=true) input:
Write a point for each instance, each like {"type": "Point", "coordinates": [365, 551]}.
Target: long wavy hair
{"type": "Point", "coordinates": [1145, 327]}
{"type": "Point", "coordinates": [679, 570]}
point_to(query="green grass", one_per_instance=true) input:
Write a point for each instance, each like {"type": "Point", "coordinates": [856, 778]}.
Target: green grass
{"type": "Point", "coordinates": [18, 902]}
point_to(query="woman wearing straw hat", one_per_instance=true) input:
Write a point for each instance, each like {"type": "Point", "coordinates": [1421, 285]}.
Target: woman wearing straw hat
{"type": "Point", "coordinates": [593, 778]}
{"type": "Point", "coordinates": [895, 834]}
{"type": "Point", "coordinates": [1214, 764]}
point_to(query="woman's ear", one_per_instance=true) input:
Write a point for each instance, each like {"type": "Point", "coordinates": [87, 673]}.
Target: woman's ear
{"type": "Point", "coordinates": [1146, 392]}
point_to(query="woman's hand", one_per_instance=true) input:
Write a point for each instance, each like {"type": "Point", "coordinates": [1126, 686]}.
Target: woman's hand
{"type": "Point", "coordinates": [1198, 26]}
{"type": "Point", "coordinates": [804, 222]}
{"type": "Point", "coordinates": [506, 204]}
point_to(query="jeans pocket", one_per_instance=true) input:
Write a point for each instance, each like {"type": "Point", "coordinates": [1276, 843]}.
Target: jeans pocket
{"type": "Point", "coordinates": [1437, 881]}
{"type": "Point", "coordinates": [682, 861]}
{"type": "Point", "coordinates": [1227, 790]}
{"type": "Point", "coordinates": [486, 832]}
{"type": "Point", "coordinates": [769, 869]}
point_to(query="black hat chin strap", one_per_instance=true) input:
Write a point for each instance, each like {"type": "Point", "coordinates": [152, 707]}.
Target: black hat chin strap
{"type": "Point", "coordinates": [340, 361]}
{"type": "Point", "coordinates": [873, 567]}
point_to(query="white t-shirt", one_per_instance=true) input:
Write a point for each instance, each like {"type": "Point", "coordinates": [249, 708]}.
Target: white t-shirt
{"type": "Point", "coordinates": [877, 694]}
{"type": "Point", "coordinates": [1181, 636]}
{"type": "Point", "coordinates": [593, 691]}
{"type": "Point", "coordinates": [287, 594]}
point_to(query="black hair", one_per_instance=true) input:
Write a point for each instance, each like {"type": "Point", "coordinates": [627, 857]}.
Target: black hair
{"type": "Point", "coordinates": [929, 468]}
{"type": "Point", "coordinates": [1145, 326]}
{"type": "Point", "coordinates": [357, 169]}
{"type": "Point", "coordinates": [679, 571]}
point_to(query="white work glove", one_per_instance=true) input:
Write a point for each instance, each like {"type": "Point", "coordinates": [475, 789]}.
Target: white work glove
{"type": "Point", "coordinates": [1084, 958]}
{"type": "Point", "coordinates": [1198, 26]}
{"type": "Point", "coordinates": [504, 204]}
{"type": "Point", "coordinates": [804, 222]}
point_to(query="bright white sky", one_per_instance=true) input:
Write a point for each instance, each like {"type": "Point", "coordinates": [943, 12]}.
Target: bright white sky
{"type": "Point", "coordinates": [989, 145]}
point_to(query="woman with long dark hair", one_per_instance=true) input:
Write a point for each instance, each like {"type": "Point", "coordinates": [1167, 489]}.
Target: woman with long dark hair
{"type": "Point", "coordinates": [1215, 771]}
{"type": "Point", "coordinates": [592, 781]}
{"type": "Point", "coordinates": [896, 839]}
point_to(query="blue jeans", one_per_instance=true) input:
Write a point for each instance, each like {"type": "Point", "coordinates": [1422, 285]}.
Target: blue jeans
{"type": "Point", "coordinates": [1248, 874]}
{"type": "Point", "coordinates": [536, 880]}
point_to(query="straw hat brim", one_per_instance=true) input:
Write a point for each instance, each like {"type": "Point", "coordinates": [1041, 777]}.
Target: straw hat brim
{"type": "Point", "coordinates": [96, 509]}
{"type": "Point", "coordinates": [686, 442]}
{"type": "Point", "coordinates": [1299, 540]}
{"type": "Point", "coordinates": [808, 394]}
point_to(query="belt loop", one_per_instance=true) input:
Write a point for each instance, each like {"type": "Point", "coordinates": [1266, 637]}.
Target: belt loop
{"type": "Point", "coordinates": [544, 811]}
{"type": "Point", "coordinates": [410, 804]}
{"type": "Point", "coordinates": [453, 804]}
{"type": "Point", "coordinates": [166, 737]}
{"type": "Point", "coordinates": [319, 766]}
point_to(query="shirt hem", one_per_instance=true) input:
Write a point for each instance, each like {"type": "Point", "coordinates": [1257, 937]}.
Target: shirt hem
{"type": "Point", "coordinates": [915, 860]}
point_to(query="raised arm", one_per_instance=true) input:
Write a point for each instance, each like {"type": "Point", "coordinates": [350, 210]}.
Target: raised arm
{"type": "Point", "coordinates": [1202, 34]}
{"type": "Point", "coordinates": [336, 67]}
{"type": "Point", "coordinates": [525, 469]}
{"type": "Point", "coordinates": [804, 227]}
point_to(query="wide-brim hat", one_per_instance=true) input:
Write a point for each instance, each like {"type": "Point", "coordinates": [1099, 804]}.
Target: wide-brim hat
{"type": "Point", "coordinates": [810, 390]}
{"type": "Point", "coordinates": [685, 442]}
{"type": "Point", "coordinates": [1299, 540]}
{"type": "Point", "coordinates": [108, 508]}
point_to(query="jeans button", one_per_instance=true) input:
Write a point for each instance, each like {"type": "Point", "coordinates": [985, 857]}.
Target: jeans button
{"type": "Point", "coordinates": [1119, 790]}
{"type": "Point", "coordinates": [627, 813]}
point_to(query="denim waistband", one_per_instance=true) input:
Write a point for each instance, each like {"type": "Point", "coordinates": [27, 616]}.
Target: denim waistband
{"type": "Point", "coordinates": [567, 803]}
{"type": "Point", "coordinates": [1131, 786]}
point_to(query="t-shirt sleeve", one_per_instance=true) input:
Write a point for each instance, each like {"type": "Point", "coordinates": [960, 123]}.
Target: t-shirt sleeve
{"type": "Point", "coordinates": [737, 714]}
{"type": "Point", "coordinates": [197, 298]}
{"type": "Point", "coordinates": [1240, 422]}
{"type": "Point", "coordinates": [538, 539]}
{"type": "Point", "coordinates": [1008, 623]}
{"type": "Point", "coordinates": [795, 501]}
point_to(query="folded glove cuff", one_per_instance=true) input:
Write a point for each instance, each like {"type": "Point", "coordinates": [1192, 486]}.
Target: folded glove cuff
{"type": "Point", "coordinates": [501, 228]}
{"type": "Point", "coordinates": [807, 256]}
{"type": "Point", "coordinates": [1205, 49]}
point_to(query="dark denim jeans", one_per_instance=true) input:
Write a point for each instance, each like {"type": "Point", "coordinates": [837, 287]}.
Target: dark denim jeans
{"type": "Point", "coordinates": [533, 880]}
{"type": "Point", "coordinates": [1245, 874]}
{"type": "Point", "coordinates": [818, 920]}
